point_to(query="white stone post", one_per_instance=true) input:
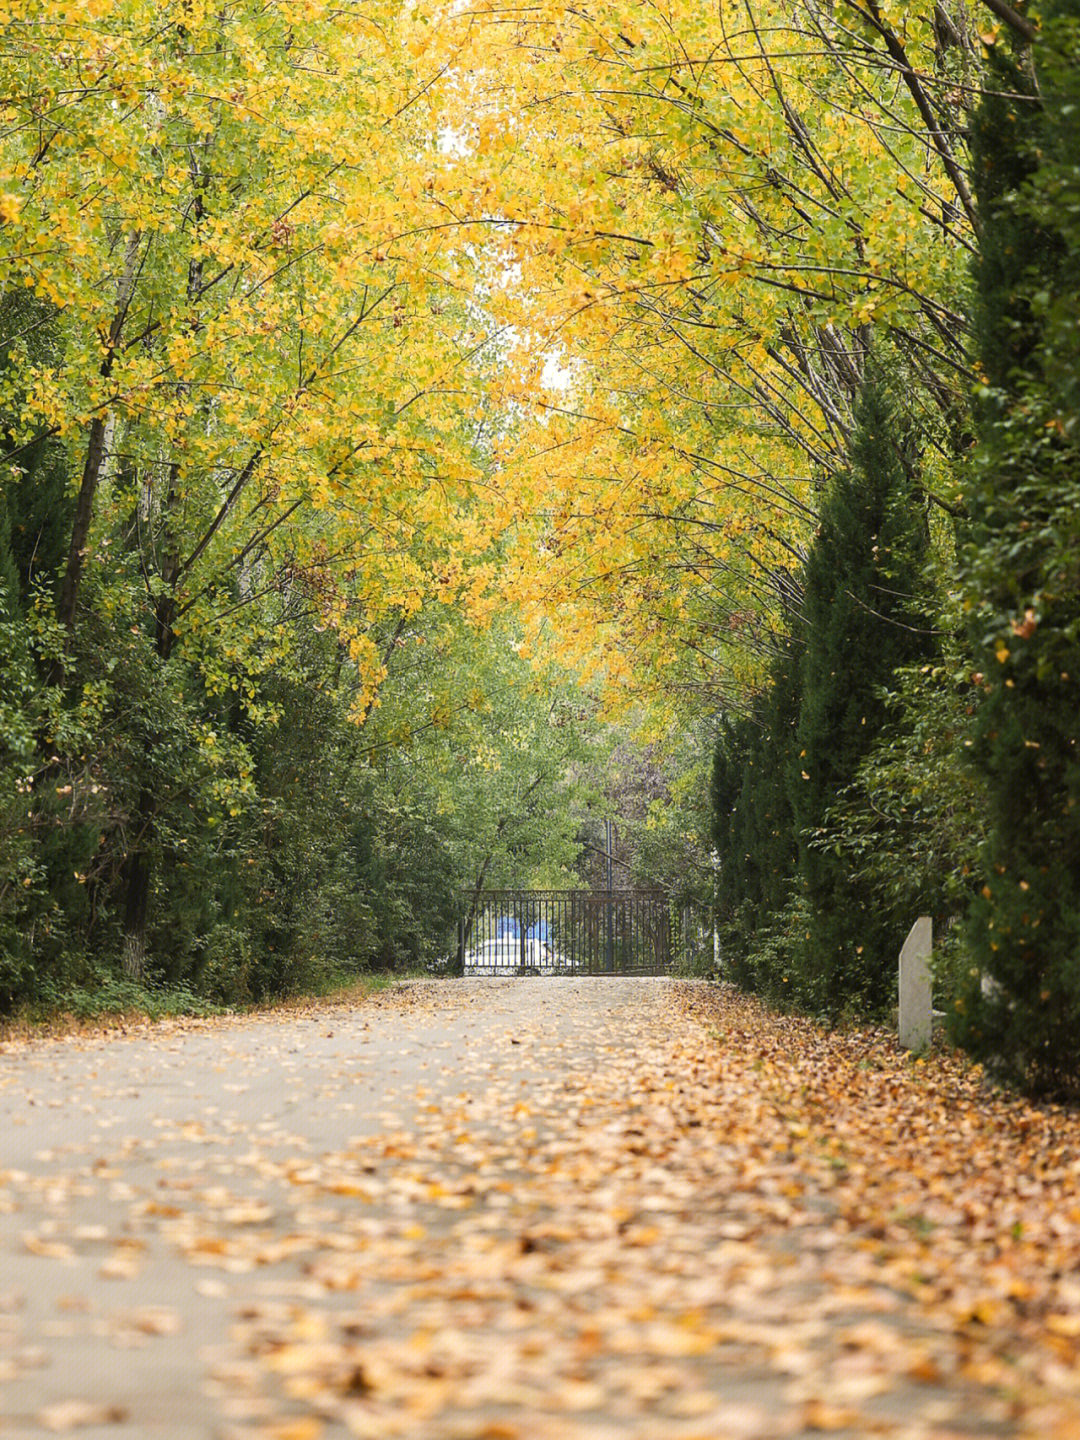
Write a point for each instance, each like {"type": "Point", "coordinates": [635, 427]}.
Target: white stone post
{"type": "Point", "coordinates": [916, 997]}
{"type": "Point", "coordinates": [714, 860]}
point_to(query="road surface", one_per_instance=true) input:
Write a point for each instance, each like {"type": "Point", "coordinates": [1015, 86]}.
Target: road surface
{"type": "Point", "coordinates": [527, 1209]}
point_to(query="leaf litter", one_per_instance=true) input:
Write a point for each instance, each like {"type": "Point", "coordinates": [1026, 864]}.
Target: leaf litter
{"type": "Point", "coordinates": [668, 1215]}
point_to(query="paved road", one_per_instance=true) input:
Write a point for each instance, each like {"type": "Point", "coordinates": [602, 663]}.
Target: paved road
{"type": "Point", "coordinates": [471, 1210]}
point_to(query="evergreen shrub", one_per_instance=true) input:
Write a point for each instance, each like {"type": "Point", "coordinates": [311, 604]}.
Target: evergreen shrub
{"type": "Point", "coordinates": [1021, 1009]}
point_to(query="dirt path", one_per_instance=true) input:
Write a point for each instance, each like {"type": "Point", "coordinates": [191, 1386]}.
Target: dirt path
{"type": "Point", "coordinates": [491, 1210]}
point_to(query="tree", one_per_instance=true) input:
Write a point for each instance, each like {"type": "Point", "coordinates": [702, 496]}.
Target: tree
{"type": "Point", "coordinates": [1020, 563]}
{"type": "Point", "coordinates": [862, 617]}
{"type": "Point", "coordinates": [754, 826]}
{"type": "Point", "coordinates": [749, 204]}
{"type": "Point", "coordinates": [243, 429]}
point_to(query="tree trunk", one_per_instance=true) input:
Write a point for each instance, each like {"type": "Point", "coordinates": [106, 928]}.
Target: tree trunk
{"type": "Point", "coordinates": [165, 604]}
{"type": "Point", "coordinates": [136, 873]}
{"type": "Point", "coordinates": [474, 902]}
{"type": "Point", "coordinates": [80, 529]}
{"type": "Point", "coordinates": [138, 867]}
{"type": "Point", "coordinates": [68, 599]}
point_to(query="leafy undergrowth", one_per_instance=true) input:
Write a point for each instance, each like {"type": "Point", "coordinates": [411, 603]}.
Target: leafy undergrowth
{"type": "Point", "coordinates": [965, 1198]}
{"type": "Point", "coordinates": [122, 1005]}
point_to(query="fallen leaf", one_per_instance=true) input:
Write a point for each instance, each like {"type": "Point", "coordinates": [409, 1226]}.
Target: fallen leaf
{"type": "Point", "coordinates": [72, 1414]}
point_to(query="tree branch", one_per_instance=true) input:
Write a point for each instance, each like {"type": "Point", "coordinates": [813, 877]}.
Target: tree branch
{"type": "Point", "coordinates": [1015, 21]}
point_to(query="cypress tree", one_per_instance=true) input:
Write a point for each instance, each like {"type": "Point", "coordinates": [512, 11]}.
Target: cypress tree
{"type": "Point", "coordinates": [862, 619]}
{"type": "Point", "coordinates": [729, 761]}
{"type": "Point", "coordinates": [1023, 559]}
{"type": "Point", "coordinates": [752, 821]}
{"type": "Point", "coordinates": [769, 815]}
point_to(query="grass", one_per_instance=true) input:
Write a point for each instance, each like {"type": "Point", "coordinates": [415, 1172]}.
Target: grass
{"type": "Point", "coordinates": [119, 1004]}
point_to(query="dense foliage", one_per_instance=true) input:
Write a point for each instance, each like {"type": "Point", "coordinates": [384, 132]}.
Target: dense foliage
{"type": "Point", "coordinates": [860, 618]}
{"type": "Point", "coordinates": [1022, 1006]}
{"type": "Point", "coordinates": [261, 722]}
{"type": "Point", "coordinates": [863, 617]}
{"type": "Point", "coordinates": [957, 788]}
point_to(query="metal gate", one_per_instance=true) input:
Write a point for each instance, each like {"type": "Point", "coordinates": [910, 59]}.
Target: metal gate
{"type": "Point", "coordinates": [566, 932]}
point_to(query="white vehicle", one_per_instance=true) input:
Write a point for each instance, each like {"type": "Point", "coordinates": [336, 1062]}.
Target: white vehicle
{"type": "Point", "coordinates": [510, 954]}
